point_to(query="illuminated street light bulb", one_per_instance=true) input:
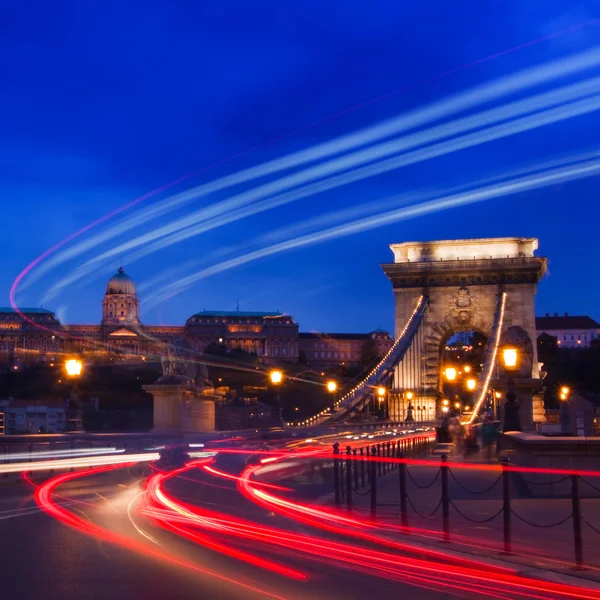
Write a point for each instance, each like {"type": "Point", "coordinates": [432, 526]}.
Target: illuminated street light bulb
{"type": "Point", "coordinates": [457, 405]}
{"type": "Point", "coordinates": [276, 376]}
{"type": "Point", "coordinates": [409, 395]}
{"type": "Point", "coordinates": [510, 356]}
{"type": "Point", "coordinates": [498, 395]}
{"type": "Point", "coordinates": [331, 386]}
{"type": "Point", "coordinates": [450, 373]}
{"type": "Point", "coordinates": [445, 402]}
{"type": "Point", "coordinates": [381, 391]}
{"type": "Point", "coordinates": [444, 409]}
{"type": "Point", "coordinates": [565, 391]}
{"type": "Point", "coordinates": [563, 397]}
{"type": "Point", "coordinates": [73, 367]}
{"type": "Point", "coordinates": [471, 384]}
{"type": "Point", "coordinates": [467, 368]}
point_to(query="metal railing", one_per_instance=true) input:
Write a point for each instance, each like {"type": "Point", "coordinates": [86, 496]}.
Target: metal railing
{"type": "Point", "coordinates": [356, 473]}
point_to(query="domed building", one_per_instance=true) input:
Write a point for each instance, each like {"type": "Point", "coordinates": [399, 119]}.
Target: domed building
{"type": "Point", "coordinates": [120, 305]}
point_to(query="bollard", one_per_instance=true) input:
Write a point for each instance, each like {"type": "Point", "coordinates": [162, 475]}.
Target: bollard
{"type": "Point", "coordinates": [355, 466]}
{"type": "Point", "coordinates": [362, 467]}
{"type": "Point", "coordinates": [349, 478]}
{"type": "Point", "coordinates": [577, 538]}
{"type": "Point", "coordinates": [373, 469]}
{"type": "Point", "coordinates": [506, 508]}
{"type": "Point", "coordinates": [336, 473]}
{"type": "Point", "coordinates": [445, 499]}
{"type": "Point", "coordinates": [389, 455]}
{"type": "Point", "coordinates": [402, 482]}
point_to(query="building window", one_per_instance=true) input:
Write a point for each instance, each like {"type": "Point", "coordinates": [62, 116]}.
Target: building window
{"type": "Point", "coordinates": [329, 355]}
{"type": "Point", "coordinates": [316, 355]}
{"type": "Point", "coordinates": [322, 354]}
{"type": "Point", "coordinates": [284, 351]}
{"type": "Point", "coordinates": [335, 355]}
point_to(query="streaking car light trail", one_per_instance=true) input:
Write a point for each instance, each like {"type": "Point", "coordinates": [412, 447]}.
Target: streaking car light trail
{"type": "Point", "coordinates": [67, 453]}
{"type": "Point", "coordinates": [387, 565]}
{"type": "Point", "coordinates": [77, 463]}
{"type": "Point", "coordinates": [44, 498]}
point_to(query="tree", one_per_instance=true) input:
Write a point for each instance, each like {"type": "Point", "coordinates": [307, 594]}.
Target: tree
{"type": "Point", "coordinates": [369, 352]}
{"type": "Point", "coordinates": [547, 346]}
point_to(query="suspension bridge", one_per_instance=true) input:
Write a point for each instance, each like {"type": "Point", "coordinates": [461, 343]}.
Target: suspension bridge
{"type": "Point", "coordinates": [441, 289]}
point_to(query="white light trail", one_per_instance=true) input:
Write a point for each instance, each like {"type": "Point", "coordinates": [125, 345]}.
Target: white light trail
{"type": "Point", "coordinates": [186, 227]}
{"type": "Point", "coordinates": [499, 88]}
{"type": "Point", "coordinates": [527, 183]}
{"type": "Point", "coordinates": [78, 463]}
{"type": "Point", "coordinates": [70, 453]}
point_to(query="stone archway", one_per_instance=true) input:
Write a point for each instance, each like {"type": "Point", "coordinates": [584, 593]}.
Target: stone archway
{"type": "Point", "coordinates": [462, 280]}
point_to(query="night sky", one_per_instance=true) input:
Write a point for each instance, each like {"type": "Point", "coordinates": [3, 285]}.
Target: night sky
{"type": "Point", "coordinates": [103, 102]}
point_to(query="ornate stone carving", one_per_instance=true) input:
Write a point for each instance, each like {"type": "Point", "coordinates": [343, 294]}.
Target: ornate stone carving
{"type": "Point", "coordinates": [463, 306]}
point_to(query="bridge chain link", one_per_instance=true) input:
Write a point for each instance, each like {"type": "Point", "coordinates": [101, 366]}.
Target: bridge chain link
{"type": "Point", "coordinates": [556, 481]}
{"type": "Point", "coordinates": [594, 487]}
{"type": "Point", "coordinates": [486, 520]}
{"type": "Point", "coordinates": [540, 526]}
{"type": "Point", "coordinates": [424, 487]}
{"type": "Point", "coordinates": [590, 525]}
{"type": "Point", "coordinates": [476, 492]}
{"type": "Point", "coordinates": [430, 515]}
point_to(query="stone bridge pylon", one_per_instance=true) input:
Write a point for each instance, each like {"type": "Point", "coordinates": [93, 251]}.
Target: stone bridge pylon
{"type": "Point", "coordinates": [463, 280]}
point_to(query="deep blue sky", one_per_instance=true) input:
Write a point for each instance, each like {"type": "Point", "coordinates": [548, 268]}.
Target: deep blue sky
{"type": "Point", "coordinates": [104, 101]}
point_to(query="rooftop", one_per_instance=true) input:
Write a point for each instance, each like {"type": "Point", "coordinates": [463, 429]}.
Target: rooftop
{"type": "Point", "coordinates": [565, 322]}
{"type": "Point", "coordinates": [27, 311]}
{"type": "Point", "coordinates": [236, 313]}
{"type": "Point", "coordinates": [338, 336]}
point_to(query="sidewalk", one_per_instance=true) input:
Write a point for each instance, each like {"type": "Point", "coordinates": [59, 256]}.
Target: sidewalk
{"type": "Point", "coordinates": [542, 530]}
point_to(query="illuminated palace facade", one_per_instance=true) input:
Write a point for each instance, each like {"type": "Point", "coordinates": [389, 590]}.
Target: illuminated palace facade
{"type": "Point", "coordinates": [39, 335]}
{"type": "Point", "coordinates": [272, 336]}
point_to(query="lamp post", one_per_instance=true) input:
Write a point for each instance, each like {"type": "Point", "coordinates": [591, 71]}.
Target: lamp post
{"type": "Point", "coordinates": [276, 378]}
{"type": "Point", "coordinates": [409, 409]}
{"type": "Point", "coordinates": [332, 389]}
{"type": "Point", "coordinates": [565, 417]}
{"type": "Point", "coordinates": [73, 368]}
{"type": "Point", "coordinates": [381, 399]}
{"type": "Point", "coordinates": [512, 420]}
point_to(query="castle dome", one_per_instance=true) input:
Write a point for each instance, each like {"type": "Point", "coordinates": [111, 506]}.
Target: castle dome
{"type": "Point", "coordinates": [120, 283]}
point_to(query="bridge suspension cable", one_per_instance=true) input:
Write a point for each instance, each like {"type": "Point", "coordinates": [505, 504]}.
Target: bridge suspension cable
{"type": "Point", "coordinates": [490, 360]}
{"type": "Point", "coordinates": [358, 396]}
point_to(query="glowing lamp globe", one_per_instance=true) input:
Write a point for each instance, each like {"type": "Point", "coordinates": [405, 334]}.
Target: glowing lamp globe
{"type": "Point", "coordinates": [73, 367]}
{"type": "Point", "coordinates": [510, 356]}
{"type": "Point", "coordinates": [450, 373]}
{"type": "Point", "coordinates": [471, 384]}
{"type": "Point", "coordinates": [276, 377]}
{"type": "Point", "coordinates": [331, 386]}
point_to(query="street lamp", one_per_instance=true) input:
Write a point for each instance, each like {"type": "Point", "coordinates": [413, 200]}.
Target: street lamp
{"type": "Point", "coordinates": [467, 368]}
{"type": "Point", "coordinates": [471, 384]}
{"type": "Point", "coordinates": [564, 415]}
{"type": "Point", "coordinates": [450, 373]}
{"type": "Point", "coordinates": [276, 378]}
{"type": "Point", "coordinates": [331, 386]}
{"type": "Point", "coordinates": [512, 421]}
{"type": "Point", "coordinates": [74, 367]}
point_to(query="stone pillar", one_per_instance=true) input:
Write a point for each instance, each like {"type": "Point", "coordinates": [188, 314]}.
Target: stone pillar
{"type": "Point", "coordinates": [524, 389]}
{"type": "Point", "coordinates": [182, 408]}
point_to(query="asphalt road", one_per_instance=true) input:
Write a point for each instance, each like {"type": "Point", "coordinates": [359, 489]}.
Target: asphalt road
{"type": "Point", "coordinates": [42, 557]}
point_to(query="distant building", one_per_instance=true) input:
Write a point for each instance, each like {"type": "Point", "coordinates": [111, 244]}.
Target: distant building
{"type": "Point", "coordinates": [35, 334]}
{"type": "Point", "coordinates": [273, 336]}
{"type": "Point", "coordinates": [330, 349]}
{"type": "Point", "coordinates": [570, 331]}
{"type": "Point", "coordinates": [27, 416]}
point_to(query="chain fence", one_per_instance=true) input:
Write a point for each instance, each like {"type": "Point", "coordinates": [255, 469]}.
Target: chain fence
{"type": "Point", "coordinates": [358, 470]}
